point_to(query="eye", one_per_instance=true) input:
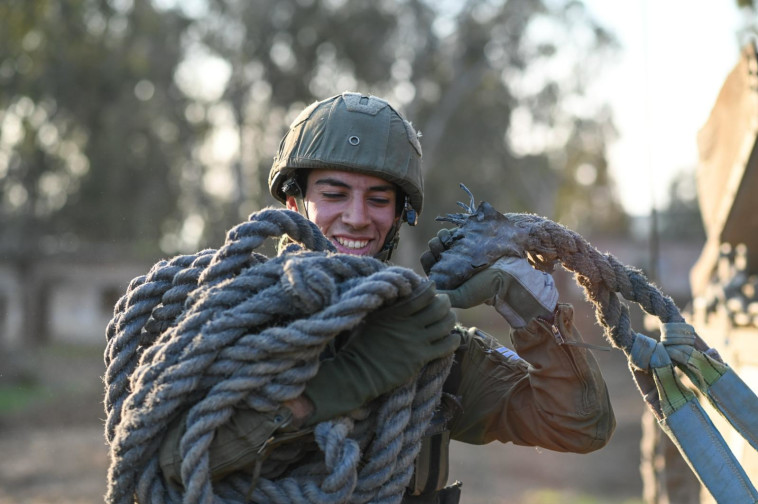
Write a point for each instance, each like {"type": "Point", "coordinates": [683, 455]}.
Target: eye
{"type": "Point", "coordinates": [332, 195]}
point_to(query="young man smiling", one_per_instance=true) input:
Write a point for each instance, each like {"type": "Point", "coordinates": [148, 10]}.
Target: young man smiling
{"type": "Point", "coordinates": [355, 211]}
{"type": "Point", "coordinates": [352, 165]}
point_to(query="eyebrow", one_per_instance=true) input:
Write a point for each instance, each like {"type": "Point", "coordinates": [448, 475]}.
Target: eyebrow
{"type": "Point", "coordinates": [338, 183]}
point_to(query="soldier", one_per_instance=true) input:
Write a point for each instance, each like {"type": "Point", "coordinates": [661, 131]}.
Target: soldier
{"type": "Point", "coordinates": [352, 165]}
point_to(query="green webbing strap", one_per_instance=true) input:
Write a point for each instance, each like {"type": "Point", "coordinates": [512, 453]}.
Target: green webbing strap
{"type": "Point", "coordinates": [717, 381]}
{"type": "Point", "coordinates": [701, 368]}
{"type": "Point", "coordinates": [683, 419]}
{"type": "Point", "coordinates": [672, 393]}
{"type": "Point", "coordinates": [649, 355]}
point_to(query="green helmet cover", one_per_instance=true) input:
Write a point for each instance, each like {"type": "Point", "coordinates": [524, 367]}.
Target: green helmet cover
{"type": "Point", "coordinates": [352, 132]}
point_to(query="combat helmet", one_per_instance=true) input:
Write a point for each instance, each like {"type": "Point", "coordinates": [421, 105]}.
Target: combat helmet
{"type": "Point", "coordinates": [352, 132]}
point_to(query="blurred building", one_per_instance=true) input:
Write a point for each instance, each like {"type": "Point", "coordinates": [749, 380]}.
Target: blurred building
{"type": "Point", "coordinates": [725, 277]}
{"type": "Point", "coordinates": [64, 298]}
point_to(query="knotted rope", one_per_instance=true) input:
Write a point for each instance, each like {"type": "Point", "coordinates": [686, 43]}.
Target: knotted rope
{"type": "Point", "coordinates": [230, 327]}
{"type": "Point", "coordinates": [601, 276]}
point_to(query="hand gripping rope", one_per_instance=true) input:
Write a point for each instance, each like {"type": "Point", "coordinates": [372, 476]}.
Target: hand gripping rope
{"type": "Point", "coordinates": [483, 235]}
{"type": "Point", "coordinates": [228, 327]}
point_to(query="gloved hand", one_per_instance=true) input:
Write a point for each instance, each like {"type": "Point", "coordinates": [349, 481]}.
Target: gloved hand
{"type": "Point", "coordinates": [516, 290]}
{"type": "Point", "coordinates": [437, 246]}
{"type": "Point", "coordinates": [236, 444]}
{"type": "Point", "coordinates": [392, 346]}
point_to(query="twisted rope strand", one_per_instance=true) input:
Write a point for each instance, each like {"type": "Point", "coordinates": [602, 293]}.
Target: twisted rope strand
{"type": "Point", "coordinates": [601, 276]}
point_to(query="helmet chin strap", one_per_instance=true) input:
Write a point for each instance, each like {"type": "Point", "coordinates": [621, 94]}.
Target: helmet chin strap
{"type": "Point", "coordinates": [291, 187]}
{"type": "Point", "coordinates": [408, 215]}
{"type": "Point", "coordinates": [393, 237]}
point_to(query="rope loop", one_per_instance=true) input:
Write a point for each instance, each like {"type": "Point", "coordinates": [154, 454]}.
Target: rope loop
{"type": "Point", "coordinates": [483, 235]}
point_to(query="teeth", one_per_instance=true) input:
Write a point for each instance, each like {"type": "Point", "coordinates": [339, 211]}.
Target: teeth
{"type": "Point", "coordinates": [352, 244]}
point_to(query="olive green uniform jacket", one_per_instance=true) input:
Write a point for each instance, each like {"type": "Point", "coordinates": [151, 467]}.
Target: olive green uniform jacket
{"type": "Point", "coordinates": [546, 391]}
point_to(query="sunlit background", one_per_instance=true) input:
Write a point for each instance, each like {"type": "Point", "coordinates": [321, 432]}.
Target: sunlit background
{"type": "Point", "coordinates": [662, 86]}
{"type": "Point", "coordinates": [580, 114]}
{"type": "Point", "coordinates": [134, 130]}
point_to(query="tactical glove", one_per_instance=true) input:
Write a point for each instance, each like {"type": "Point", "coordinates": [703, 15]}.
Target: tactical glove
{"type": "Point", "coordinates": [518, 292]}
{"type": "Point", "coordinates": [389, 349]}
{"type": "Point", "coordinates": [437, 246]}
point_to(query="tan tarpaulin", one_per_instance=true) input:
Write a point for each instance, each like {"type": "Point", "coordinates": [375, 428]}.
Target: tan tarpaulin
{"type": "Point", "coordinates": [727, 173]}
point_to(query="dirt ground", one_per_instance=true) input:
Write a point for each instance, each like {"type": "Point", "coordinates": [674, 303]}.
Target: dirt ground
{"type": "Point", "coordinates": [53, 449]}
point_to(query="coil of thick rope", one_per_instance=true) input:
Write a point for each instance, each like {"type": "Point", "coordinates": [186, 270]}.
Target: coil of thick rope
{"type": "Point", "coordinates": [227, 327]}
{"type": "Point", "coordinates": [483, 235]}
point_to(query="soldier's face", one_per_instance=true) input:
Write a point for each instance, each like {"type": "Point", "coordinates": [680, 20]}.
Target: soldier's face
{"type": "Point", "coordinates": [353, 210]}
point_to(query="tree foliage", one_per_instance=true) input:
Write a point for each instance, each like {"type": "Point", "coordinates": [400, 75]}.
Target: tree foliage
{"type": "Point", "coordinates": [94, 133]}
{"type": "Point", "coordinates": [681, 217]}
{"type": "Point", "coordinates": [462, 75]}
{"type": "Point", "coordinates": [140, 122]}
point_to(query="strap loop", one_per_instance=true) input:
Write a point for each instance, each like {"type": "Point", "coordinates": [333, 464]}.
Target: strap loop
{"type": "Point", "coordinates": [646, 353]}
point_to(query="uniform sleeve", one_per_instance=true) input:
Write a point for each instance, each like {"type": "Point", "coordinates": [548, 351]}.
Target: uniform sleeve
{"type": "Point", "coordinates": [546, 393]}
{"type": "Point", "coordinates": [236, 444]}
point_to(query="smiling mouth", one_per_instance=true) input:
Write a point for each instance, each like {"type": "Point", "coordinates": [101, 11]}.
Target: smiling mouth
{"type": "Point", "coordinates": [351, 244]}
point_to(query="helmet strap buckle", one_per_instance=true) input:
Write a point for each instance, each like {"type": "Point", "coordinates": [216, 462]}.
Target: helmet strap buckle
{"type": "Point", "coordinates": [409, 214]}
{"type": "Point", "coordinates": [291, 187]}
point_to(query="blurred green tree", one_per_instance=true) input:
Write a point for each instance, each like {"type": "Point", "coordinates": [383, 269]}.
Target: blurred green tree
{"type": "Point", "coordinates": [139, 122]}
{"type": "Point", "coordinates": [94, 134]}
{"type": "Point", "coordinates": [497, 88]}
{"type": "Point", "coordinates": [681, 218]}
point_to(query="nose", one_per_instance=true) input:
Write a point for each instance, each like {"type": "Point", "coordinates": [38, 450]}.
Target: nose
{"type": "Point", "coordinates": [356, 214]}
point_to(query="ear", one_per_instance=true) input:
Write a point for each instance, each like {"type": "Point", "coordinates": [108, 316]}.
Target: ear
{"type": "Point", "coordinates": [291, 203]}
